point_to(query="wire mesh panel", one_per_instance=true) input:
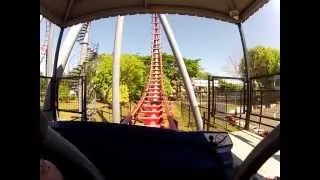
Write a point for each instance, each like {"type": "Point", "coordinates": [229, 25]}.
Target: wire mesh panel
{"type": "Point", "coordinates": [223, 103]}
{"type": "Point", "coordinates": [265, 102]}
{"type": "Point", "coordinates": [71, 101]}
{"type": "Point", "coordinates": [217, 98]}
{"type": "Point", "coordinates": [187, 120]}
{"type": "Point", "coordinates": [228, 100]}
{"type": "Point", "coordinates": [44, 82]}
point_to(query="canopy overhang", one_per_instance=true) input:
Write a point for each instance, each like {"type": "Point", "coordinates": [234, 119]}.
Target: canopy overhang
{"type": "Point", "coordinates": [66, 13]}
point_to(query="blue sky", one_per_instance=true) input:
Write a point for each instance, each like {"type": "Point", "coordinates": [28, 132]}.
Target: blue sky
{"type": "Point", "coordinates": [212, 41]}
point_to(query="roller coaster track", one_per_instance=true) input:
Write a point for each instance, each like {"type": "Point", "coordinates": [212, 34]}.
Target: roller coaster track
{"type": "Point", "coordinates": [153, 109]}
{"type": "Point", "coordinates": [44, 46]}
{"type": "Point", "coordinates": [91, 51]}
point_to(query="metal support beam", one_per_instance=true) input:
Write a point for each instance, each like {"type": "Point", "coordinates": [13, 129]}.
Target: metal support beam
{"type": "Point", "coordinates": [116, 71]}
{"type": "Point", "coordinates": [66, 48]}
{"type": "Point", "coordinates": [247, 76]}
{"type": "Point", "coordinates": [60, 61]}
{"type": "Point", "coordinates": [49, 58]}
{"type": "Point", "coordinates": [209, 102]}
{"type": "Point", "coordinates": [182, 67]}
{"type": "Point", "coordinates": [83, 55]}
{"type": "Point", "coordinates": [50, 101]}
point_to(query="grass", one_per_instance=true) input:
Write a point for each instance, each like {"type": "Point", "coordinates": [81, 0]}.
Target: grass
{"type": "Point", "coordinates": [222, 124]}
{"type": "Point", "coordinates": [181, 115]}
{"type": "Point", "coordinates": [231, 107]}
{"type": "Point", "coordinates": [102, 112]}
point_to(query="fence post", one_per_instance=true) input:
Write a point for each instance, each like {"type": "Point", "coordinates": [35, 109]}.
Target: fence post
{"type": "Point", "coordinates": [84, 102]}
{"type": "Point", "coordinates": [56, 104]}
{"type": "Point", "coordinates": [80, 91]}
{"type": "Point", "coordinates": [204, 119]}
{"type": "Point", "coordinates": [189, 109]}
{"type": "Point", "coordinates": [181, 108]}
{"type": "Point", "coordinates": [244, 97]}
{"type": "Point", "coordinates": [209, 103]}
{"type": "Point", "coordinates": [200, 98]}
{"type": "Point", "coordinates": [213, 97]}
{"type": "Point", "coordinates": [261, 103]}
{"type": "Point", "coordinates": [240, 111]}
{"type": "Point", "coordinates": [213, 102]}
{"type": "Point", "coordinates": [247, 76]}
{"type": "Point", "coordinates": [226, 107]}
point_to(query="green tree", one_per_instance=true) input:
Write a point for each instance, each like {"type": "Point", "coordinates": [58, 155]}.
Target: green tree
{"type": "Point", "coordinates": [43, 84]}
{"type": "Point", "coordinates": [124, 94]}
{"type": "Point", "coordinates": [167, 86]}
{"type": "Point", "coordinates": [172, 71]}
{"type": "Point", "coordinates": [132, 75]}
{"type": "Point", "coordinates": [203, 75]}
{"type": "Point", "coordinates": [262, 61]}
{"type": "Point", "coordinates": [193, 66]}
{"type": "Point", "coordinates": [229, 86]}
{"type": "Point", "coordinates": [64, 91]}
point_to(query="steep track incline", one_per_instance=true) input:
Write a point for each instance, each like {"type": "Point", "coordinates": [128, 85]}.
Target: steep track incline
{"type": "Point", "coordinates": [153, 109]}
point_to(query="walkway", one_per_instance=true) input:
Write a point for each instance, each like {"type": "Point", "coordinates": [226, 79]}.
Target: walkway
{"type": "Point", "coordinates": [244, 142]}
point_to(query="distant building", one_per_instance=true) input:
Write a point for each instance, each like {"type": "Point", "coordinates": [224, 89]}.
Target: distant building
{"type": "Point", "coordinates": [202, 85]}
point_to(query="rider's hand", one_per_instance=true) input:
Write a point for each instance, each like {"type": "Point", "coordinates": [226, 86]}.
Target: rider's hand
{"type": "Point", "coordinates": [49, 171]}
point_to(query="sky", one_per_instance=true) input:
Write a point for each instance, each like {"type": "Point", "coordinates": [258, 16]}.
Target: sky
{"type": "Point", "coordinates": [212, 41]}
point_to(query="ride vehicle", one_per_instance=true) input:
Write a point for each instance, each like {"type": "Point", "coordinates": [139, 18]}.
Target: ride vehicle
{"type": "Point", "coordinates": [89, 150]}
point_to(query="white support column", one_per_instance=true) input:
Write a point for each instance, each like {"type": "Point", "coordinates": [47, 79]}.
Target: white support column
{"type": "Point", "coordinates": [49, 59]}
{"type": "Point", "coordinates": [64, 52]}
{"type": "Point", "coordinates": [183, 69]}
{"type": "Point", "coordinates": [66, 48]}
{"type": "Point", "coordinates": [116, 71]}
{"type": "Point", "coordinates": [41, 17]}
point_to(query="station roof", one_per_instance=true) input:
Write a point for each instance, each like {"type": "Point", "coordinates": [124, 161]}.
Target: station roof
{"type": "Point", "coordinates": [65, 13]}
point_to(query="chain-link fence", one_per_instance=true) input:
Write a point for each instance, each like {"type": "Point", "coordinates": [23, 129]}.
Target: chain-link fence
{"type": "Point", "coordinates": [71, 101]}
{"type": "Point", "coordinates": [77, 100]}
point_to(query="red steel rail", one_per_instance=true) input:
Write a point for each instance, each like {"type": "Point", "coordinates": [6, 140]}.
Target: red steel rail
{"type": "Point", "coordinates": [153, 109]}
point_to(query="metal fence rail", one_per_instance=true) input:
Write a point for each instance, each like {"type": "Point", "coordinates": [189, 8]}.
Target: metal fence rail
{"type": "Point", "coordinates": [71, 102]}
{"type": "Point", "coordinates": [223, 101]}
{"type": "Point", "coordinates": [266, 101]}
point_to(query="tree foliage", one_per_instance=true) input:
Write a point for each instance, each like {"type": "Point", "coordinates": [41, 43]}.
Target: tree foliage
{"type": "Point", "coordinates": [64, 91]}
{"type": "Point", "coordinates": [167, 86]}
{"type": "Point", "coordinates": [43, 83]}
{"type": "Point", "coordinates": [262, 61]}
{"type": "Point", "coordinates": [203, 75]}
{"type": "Point", "coordinates": [132, 76]}
{"type": "Point", "coordinates": [172, 71]}
{"type": "Point", "coordinates": [134, 71]}
{"type": "Point", "coordinates": [224, 85]}
{"type": "Point", "coordinates": [124, 94]}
